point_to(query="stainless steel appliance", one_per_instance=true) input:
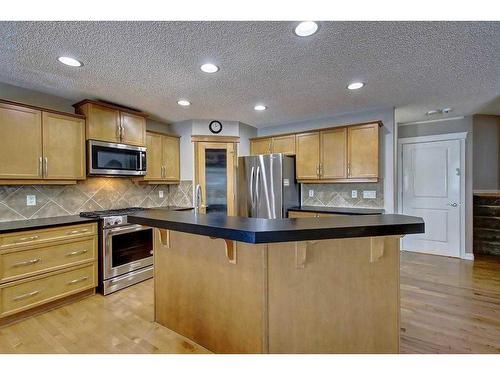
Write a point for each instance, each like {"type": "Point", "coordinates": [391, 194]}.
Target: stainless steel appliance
{"type": "Point", "coordinates": [115, 159]}
{"type": "Point", "coordinates": [125, 250]}
{"type": "Point", "coordinates": [267, 186]}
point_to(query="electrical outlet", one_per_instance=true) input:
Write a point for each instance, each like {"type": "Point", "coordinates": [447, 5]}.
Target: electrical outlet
{"type": "Point", "coordinates": [369, 194]}
{"type": "Point", "coordinates": [31, 200]}
{"type": "Point", "coordinates": [311, 193]}
{"type": "Point", "coordinates": [160, 193]}
{"type": "Point", "coordinates": [354, 193]}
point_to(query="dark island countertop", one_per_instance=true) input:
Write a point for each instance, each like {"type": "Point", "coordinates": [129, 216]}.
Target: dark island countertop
{"type": "Point", "coordinates": [339, 210]}
{"type": "Point", "coordinates": [254, 230]}
{"type": "Point", "coordinates": [21, 225]}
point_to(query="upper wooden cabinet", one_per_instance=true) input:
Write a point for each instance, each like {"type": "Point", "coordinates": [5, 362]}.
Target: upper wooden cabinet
{"type": "Point", "coordinates": [308, 156]}
{"type": "Point", "coordinates": [110, 123]}
{"type": "Point", "coordinates": [260, 146]}
{"type": "Point", "coordinates": [40, 146]}
{"type": "Point", "coordinates": [362, 146]}
{"type": "Point", "coordinates": [163, 158]}
{"type": "Point", "coordinates": [343, 154]}
{"type": "Point", "coordinates": [281, 144]}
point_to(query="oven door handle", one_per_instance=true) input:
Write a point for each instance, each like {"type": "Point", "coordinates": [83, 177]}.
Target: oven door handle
{"type": "Point", "coordinates": [126, 229]}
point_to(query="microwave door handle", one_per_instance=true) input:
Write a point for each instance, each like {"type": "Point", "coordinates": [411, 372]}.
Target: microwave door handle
{"type": "Point", "coordinates": [141, 154]}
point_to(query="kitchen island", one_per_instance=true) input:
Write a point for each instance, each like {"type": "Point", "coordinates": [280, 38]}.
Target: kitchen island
{"type": "Point", "coordinates": [248, 285]}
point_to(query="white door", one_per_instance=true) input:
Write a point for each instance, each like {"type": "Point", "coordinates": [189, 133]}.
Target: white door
{"type": "Point", "coordinates": [431, 190]}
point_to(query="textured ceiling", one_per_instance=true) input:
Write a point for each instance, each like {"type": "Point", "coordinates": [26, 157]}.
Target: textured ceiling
{"type": "Point", "coordinates": [412, 66]}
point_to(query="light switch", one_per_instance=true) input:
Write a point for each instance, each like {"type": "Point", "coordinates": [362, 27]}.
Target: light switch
{"type": "Point", "coordinates": [354, 193]}
{"type": "Point", "coordinates": [160, 193]}
{"type": "Point", "coordinates": [369, 194]}
{"type": "Point", "coordinates": [311, 193]}
{"type": "Point", "coordinates": [31, 200]}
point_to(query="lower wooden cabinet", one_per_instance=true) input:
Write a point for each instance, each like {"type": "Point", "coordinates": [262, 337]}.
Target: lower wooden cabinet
{"type": "Point", "coordinates": [304, 214]}
{"type": "Point", "coordinates": [43, 266]}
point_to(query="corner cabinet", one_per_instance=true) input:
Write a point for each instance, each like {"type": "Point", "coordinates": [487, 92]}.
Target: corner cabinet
{"type": "Point", "coordinates": [39, 146]}
{"type": "Point", "coordinates": [110, 123]}
{"type": "Point", "coordinates": [162, 159]}
{"type": "Point", "coordinates": [336, 155]}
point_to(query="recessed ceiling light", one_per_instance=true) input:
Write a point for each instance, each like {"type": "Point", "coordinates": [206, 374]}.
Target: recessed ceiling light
{"type": "Point", "coordinates": [69, 61]}
{"type": "Point", "coordinates": [260, 107]}
{"type": "Point", "coordinates": [355, 85]}
{"type": "Point", "coordinates": [184, 102]}
{"type": "Point", "coordinates": [306, 28]}
{"type": "Point", "coordinates": [209, 68]}
{"type": "Point", "coordinates": [433, 112]}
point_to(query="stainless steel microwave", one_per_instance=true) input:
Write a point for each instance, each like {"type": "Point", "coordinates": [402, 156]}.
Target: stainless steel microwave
{"type": "Point", "coordinates": [115, 159]}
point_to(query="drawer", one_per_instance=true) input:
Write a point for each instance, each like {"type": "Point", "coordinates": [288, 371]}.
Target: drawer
{"type": "Point", "coordinates": [28, 262]}
{"type": "Point", "coordinates": [299, 214]}
{"type": "Point", "coordinates": [37, 291]}
{"type": "Point", "coordinates": [46, 235]}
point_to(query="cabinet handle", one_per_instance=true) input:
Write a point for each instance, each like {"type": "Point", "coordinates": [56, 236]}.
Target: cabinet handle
{"type": "Point", "coordinates": [27, 263]}
{"type": "Point", "coordinates": [46, 166]}
{"type": "Point", "coordinates": [320, 169]}
{"type": "Point", "coordinates": [27, 295]}
{"type": "Point", "coordinates": [317, 170]}
{"type": "Point", "coordinates": [75, 281]}
{"type": "Point", "coordinates": [165, 176]}
{"type": "Point", "coordinates": [40, 168]}
{"type": "Point", "coordinates": [348, 169]}
{"type": "Point", "coordinates": [78, 252]}
{"type": "Point", "coordinates": [119, 132]}
{"type": "Point", "coordinates": [122, 132]}
{"type": "Point", "coordinates": [23, 239]}
{"type": "Point", "coordinates": [77, 231]}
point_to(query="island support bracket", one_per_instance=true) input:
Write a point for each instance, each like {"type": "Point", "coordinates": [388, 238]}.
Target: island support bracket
{"type": "Point", "coordinates": [376, 248]}
{"type": "Point", "coordinates": [231, 249]}
{"type": "Point", "coordinates": [165, 237]}
{"type": "Point", "coordinates": [301, 253]}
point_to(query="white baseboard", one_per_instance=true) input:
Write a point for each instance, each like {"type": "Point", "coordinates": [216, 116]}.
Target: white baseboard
{"type": "Point", "coordinates": [468, 256]}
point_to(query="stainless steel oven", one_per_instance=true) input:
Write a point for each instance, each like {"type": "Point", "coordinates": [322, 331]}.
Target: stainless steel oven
{"type": "Point", "coordinates": [127, 256]}
{"type": "Point", "coordinates": [115, 159]}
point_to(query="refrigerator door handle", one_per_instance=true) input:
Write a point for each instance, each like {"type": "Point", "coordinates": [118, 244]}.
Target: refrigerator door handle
{"type": "Point", "coordinates": [251, 186]}
{"type": "Point", "coordinates": [257, 184]}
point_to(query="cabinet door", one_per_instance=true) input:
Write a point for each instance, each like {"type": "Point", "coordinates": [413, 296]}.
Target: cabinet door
{"type": "Point", "coordinates": [334, 153]}
{"type": "Point", "coordinates": [284, 144]}
{"type": "Point", "coordinates": [20, 142]}
{"type": "Point", "coordinates": [154, 157]}
{"type": "Point", "coordinates": [133, 130]}
{"type": "Point", "coordinates": [63, 147]}
{"type": "Point", "coordinates": [171, 158]}
{"type": "Point", "coordinates": [363, 151]}
{"type": "Point", "coordinates": [103, 123]}
{"type": "Point", "coordinates": [307, 160]}
{"type": "Point", "coordinates": [260, 146]}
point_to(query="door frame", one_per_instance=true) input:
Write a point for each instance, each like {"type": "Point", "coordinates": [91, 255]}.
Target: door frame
{"type": "Point", "coordinates": [461, 137]}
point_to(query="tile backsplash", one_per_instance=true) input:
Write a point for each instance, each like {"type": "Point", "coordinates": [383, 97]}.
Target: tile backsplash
{"type": "Point", "coordinates": [94, 193]}
{"type": "Point", "coordinates": [339, 195]}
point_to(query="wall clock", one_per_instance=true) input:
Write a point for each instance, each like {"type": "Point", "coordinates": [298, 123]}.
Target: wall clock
{"type": "Point", "coordinates": [215, 127]}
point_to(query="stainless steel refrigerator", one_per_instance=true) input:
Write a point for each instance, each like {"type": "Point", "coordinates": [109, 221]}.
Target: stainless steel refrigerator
{"type": "Point", "coordinates": [267, 187]}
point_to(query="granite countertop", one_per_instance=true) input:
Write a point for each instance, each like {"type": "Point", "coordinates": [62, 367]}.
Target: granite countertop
{"type": "Point", "coordinates": [339, 210]}
{"type": "Point", "coordinates": [254, 230]}
{"type": "Point", "coordinates": [20, 225]}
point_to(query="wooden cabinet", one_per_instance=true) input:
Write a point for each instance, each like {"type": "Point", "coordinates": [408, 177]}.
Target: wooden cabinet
{"type": "Point", "coordinates": [305, 214]}
{"type": "Point", "coordinates": [163, 158]}
{"type": "Point", "coordinates": [260, 146]}
{"type": "Point", "coordinates": [282, 144]}
{"type": "Point", "coordinates": [20, 142]}
{"type": "Point", "coordinates": [40, 146]}
{"type": "Point", "coordinates": [363, 153]}
{"type": "Point", "coordinates": [63, 147]}
{"type": "Point", "coordinates": [110, 123]}
{"type": "Point", "coordinates": [44, 266]}
{"type": "Point", "coordinates": [308, 156]}
{"type": "Point", "coordinates": [333, 150]}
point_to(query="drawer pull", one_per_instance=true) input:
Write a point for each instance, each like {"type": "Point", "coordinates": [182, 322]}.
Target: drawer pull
{"type": "Point", "coordinates": [79, 252]}
{"type": "Point", "coordinates": [77, 231]}
{"type": "Point", "coordinates": [27, 263]}
{"type": "Point", "coordinates": [78, 280]}
{"type": "Point", "coordinates": [27, 295]}
{"type": "Point", "coordinates": [31, 238]}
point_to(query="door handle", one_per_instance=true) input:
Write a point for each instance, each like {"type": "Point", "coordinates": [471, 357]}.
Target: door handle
{"type": "Point", "coordinates": [453, 204]}
{"type": "Point", "coordinates": [46, 166]}
{"type": "Point", "coordinates": [40, 166]}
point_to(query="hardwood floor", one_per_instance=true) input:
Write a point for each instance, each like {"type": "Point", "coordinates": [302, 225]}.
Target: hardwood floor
{"type": "Point", "coordinates": [119, 323]}
{"type": "Point", "coordinates": [447, 306]}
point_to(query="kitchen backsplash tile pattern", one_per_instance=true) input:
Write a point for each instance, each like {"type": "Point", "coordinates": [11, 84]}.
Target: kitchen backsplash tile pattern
{"type": "Point", "coordinates": [339, 195]}
{"type": "Point", "coordinates": [94, 193]}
